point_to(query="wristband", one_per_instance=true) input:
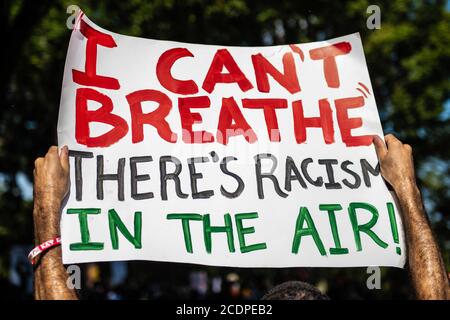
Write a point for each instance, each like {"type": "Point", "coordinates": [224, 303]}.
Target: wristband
{"type": "Point", "coordinates": [42, 248]}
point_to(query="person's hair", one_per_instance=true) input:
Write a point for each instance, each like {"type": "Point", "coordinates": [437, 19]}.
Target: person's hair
{"type": "Point", "coordinates": [295, 290]}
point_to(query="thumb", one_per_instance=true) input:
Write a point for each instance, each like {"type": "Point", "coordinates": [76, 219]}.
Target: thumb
{"type": "Point", "coordinates": [380, 147]}
{"type": "Point", "coordinates": [64, 158]}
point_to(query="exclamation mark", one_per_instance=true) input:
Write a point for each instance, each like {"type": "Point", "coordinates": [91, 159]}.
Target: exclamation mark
{"type": "Point", "coordinates": [394, 229]}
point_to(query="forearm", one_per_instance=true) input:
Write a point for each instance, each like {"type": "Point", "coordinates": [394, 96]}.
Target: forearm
{"type": "Point", "coordinates": [50, 275]}
{"type": "Point", "coordinates": [51, 278]}
{"type": "Point", "coordinates": [426, 265]}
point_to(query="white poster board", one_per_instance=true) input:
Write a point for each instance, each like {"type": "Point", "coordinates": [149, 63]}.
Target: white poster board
{"type": "Point", "coordinates": [229, 156]}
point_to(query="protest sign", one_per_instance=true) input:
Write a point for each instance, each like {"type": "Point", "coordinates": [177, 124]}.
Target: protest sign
{"type": "Point", "coordinates": [220, 155]}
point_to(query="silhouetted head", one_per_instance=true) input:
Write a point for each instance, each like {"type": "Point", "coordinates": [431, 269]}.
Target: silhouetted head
{"type": "Point", "coordinates": [295, 290]}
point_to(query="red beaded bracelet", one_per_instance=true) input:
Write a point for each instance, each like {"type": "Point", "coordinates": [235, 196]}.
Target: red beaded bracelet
{"type": "Point", "coordinates": [42, 248]}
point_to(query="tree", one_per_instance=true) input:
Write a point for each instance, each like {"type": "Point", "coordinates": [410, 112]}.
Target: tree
{"type": "Point", "coordinates": [408, 59]}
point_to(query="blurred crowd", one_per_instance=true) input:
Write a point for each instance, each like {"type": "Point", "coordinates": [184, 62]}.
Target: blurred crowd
{"type": "Point", "coordinates": [142, 280]}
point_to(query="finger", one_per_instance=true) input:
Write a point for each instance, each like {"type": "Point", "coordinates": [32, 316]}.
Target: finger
{"type": "Point", "coordinates": [38, 162]}
{"type": "Point", "coordinates": [52, 152]}
{"type": "Point", "coordinates": [408, 148]}
{"type": "Point", "coordinates": [391, 140]}
{"type": "Point", "coordinates": [64, 158]}
{"type": "Point", "coordinates": [380, 147]}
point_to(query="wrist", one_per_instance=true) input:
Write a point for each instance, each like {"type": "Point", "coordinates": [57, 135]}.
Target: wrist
{"type": "Point", "coordinates": [45, 235]}
{"type": "Point", "coordinates": [46, 222]}
{"type": "Point", "coordinates": [406, 187]}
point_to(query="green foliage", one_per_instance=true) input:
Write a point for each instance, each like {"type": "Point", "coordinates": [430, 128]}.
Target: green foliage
{"type": "Point", "coordinates": [408, 59]}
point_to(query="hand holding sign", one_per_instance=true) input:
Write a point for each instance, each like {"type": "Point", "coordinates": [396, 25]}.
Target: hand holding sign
{"type": "Point", "coordinates": [238, 156]}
